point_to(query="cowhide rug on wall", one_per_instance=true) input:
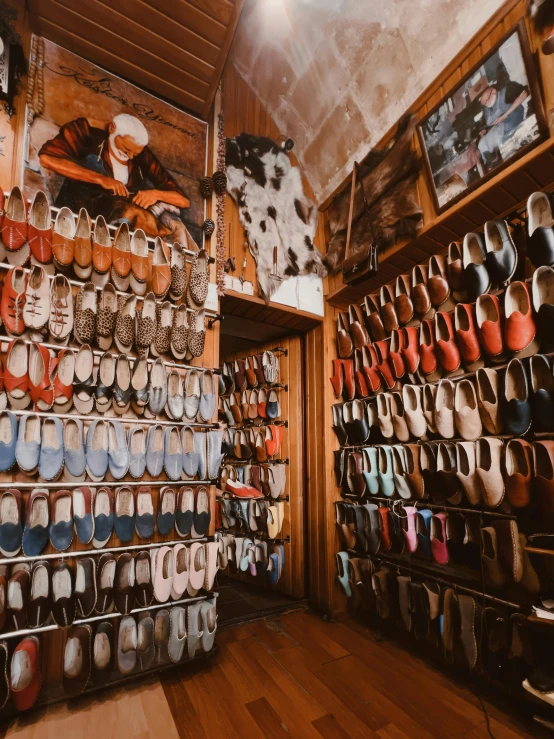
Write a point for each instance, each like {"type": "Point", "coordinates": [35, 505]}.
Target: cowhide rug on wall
{"type": "Point", "coordinates": [273, 209]}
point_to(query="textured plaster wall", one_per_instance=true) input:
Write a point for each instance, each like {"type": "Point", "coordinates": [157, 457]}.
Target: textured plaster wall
{"type": "Point", "coordinates": [337, 74]}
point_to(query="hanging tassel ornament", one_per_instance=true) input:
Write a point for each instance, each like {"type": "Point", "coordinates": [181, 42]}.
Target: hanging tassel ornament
{"type": "Point", "coordinates": [220, 204]}
{"type": "Point", "coordinates": [35, 80]}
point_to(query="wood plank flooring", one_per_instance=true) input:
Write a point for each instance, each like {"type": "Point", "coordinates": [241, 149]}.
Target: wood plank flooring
{"type": "Point", "coordinates": [293, 676]}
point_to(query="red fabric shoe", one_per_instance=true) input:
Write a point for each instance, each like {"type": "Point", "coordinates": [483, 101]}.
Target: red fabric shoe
{"type": "Point", "coordinates": [448, 353]}
{"type": "Point", "coordinates": [25, 674]}
{"type": "Point", "coordinates": [427, 348]}
{"type": "Point", "coordinates": [519, 328]}
{"type": "Point", "coordinates": [360, 381]}
{"type": "Point", "coordinates": [383, 364]}
{"type": "Point", "coordinates": [14, 225]}
{"type": "Point", "coordinates": [466, 335]}
{"type": "Point", "coordinates": [13, 300]}
{"type": "Point", "coordinates": [395, 353]}
{"type": "Point", "coordinates": [369, 361]}
{"type": "Point", "coordinates": [410, 349]}
{"type": "Point", "coordinates": [337, 381]}
{"type": "Point", "coordinates": [349, 385]}
{"type": "Point", "coordinates": [489, 327]}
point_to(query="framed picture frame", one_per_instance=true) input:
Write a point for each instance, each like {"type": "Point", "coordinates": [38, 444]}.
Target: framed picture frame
{"type": "Point", "coordinates": [491, 117]}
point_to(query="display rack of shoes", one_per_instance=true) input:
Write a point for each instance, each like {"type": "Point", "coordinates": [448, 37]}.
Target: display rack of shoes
{"type": "Point", "coordinates": [445, 461]}
{"type": "Point", "coordinates": [259, 498]}
{"type": "Point", "coordinates": [109, 454]}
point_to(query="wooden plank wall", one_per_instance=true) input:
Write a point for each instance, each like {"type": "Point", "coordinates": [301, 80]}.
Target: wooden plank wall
{"type": "Point", "coordinates": [401, 257]}
{"type": "Point", "coordinates": [293, 581]}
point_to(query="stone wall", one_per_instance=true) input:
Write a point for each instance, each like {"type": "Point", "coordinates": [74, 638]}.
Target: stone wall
{"type": "Point", "coordinates": [337, 74]}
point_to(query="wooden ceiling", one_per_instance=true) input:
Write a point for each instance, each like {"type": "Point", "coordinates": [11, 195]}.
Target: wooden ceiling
{"type": "Point", "coordinates": [174, 48]}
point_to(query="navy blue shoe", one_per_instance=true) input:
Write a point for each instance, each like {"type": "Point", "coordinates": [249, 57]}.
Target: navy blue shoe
{"type": "Point", "coordinates": [145, 513]}
{"type": "Point", "coordinates": [82, 514]}
{"type": "Point", "coordinates": [103, 517]}
{"type": "Point", "coordinates": [61, 520]}
{"type": "Point", "coordinates": [166, 511]}
{"type": "Point", "coordinates": [35, 533]}
{"type": "Point", "coordinates": [124, 521]}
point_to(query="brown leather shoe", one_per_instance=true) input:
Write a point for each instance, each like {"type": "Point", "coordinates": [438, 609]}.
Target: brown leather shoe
{"type": "Point", "coordinates": [383, 363]}
{"type": "Point", "coordinates": [518, 472]}
{"type": "Point", "coordinates": [63, 234]}
{"type": "Point", "coordinates": [77, 659]}
{"type": "Point", "coordinates": [402, 301]}
{"type": "Point", "coordinates": [388, 313]}
{"type": "Point", "coordinates": [121, 251]}
{"type": "Point", "coordinates": [455, 271]}
{"type": "Point", "coordinates": [359, 375]}
{"type": "Point", "coordinates": [139, 261]}
{"type": "Point", "coordinates": [509, 546]}
{"type": "Point", "coordinates": [345, 345]}
{"type": "Point", "coordinates": [83, 246]}
{"type": "Point", "coordinates": [349, 385]}
{"type": "Point", "coordinates": [161, 271]}
{"type": "Point", "coordinates": [101, 247]}
{"type": "Point", "coordinates": [437, 284]}
{"type": "Point", "coordinates": [337, 379]}
{"type": "Point", "coordinates": [543, 479]}
{"type": "Point", "coordinates": [420, 293]}
{"type": "Point", "coordinates": [357, 328]}
{"type": "Point", "coordinates": [374, 321]}
{"type": "Point", "coordinates": [369, 362]}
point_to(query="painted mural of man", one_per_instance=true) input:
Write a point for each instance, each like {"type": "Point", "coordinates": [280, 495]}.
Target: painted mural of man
{"type": "Point", "coordinates": [111, 172]}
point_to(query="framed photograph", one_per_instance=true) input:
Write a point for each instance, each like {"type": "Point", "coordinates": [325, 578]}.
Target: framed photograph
{"type": "Point", "coordinates": [494, 115]}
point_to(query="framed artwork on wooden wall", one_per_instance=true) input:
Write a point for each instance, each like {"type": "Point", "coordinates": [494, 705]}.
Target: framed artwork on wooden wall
{"type": "Point", "coordinates": [492, 116]}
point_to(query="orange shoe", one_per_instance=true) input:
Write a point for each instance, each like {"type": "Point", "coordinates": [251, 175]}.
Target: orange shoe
{"type": "Point", "coordinates": [63, 239]}
{"type": "Point", "coordinates": [14, 225]}
{"type": "Point", "coordinates": [83, 246]}
{"type": "Point", "coordinates": [13, 301]}
{"type": "Point", "coordinates": [101, 253]}
{"type": "Point", "coordinates": [39, 231]}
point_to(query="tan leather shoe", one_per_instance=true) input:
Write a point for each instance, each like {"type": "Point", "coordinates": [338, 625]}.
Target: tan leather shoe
{"type": "Point", "coordinates": [437, 284]}
{"type": "Point", "coordinates": [466, 412]}
{"type": "Point", "coordinates": [345, 345]}
{"type": "Point", "coordinates": [374, 322]}
{"type": "Point", "coordinates": [420, 293]}
{"type": "Point", "coordinates": [488, 461]}
{"type": "Point", "coordinates": [63, 235]}
{"type": "Point", "coordinates": [82, 263]}
{"type": "Point", "coordinates": [388, 312]}
{"type": "Point", "coordinates": [509, 547]}
{"type": "Point", "coordinates": [357, 328]}
{"type": "Point", "coordinates": [402, 301]}
{"type": "Point", "coordinates": [161, 271]}
{"type": "Point", "coordinates": [428, 401]}
{"type": "Point", "coordinates": [455, 271]}
{"type": "Point", "coordinates": [411, 397]}
{"type": "Point", "coordinates": [518, 472]}
{"type": "Point", "coordinates": [487, 400]}
{"type": "Point", "coordinates": [467, 475]}
{"type": "Point", "coordinates": [121, 257]}
{"type": "Point", "coordinates": [384, 415]}
{"type": "Point", "coordinates": [444, 409]}
{"type": "Point", "coordinates": [101, 253]}
{"type": "Point", "coordinates": [399, 423]}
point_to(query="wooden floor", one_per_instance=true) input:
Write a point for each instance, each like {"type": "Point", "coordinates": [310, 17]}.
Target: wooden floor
{"type": "Point", "coordinates": [293, 676]}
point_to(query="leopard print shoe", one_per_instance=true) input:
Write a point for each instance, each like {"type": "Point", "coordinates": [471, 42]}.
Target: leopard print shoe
{"type": "Point", "coordinates": [162, 340]}
{"type": "Point", "coordinates": [179, 332]}
{"type": "Point", "coordinates": [84, 325]}
{"type": "Point", "coordinates": [107, 314]}
{"type": "Point", "coordinates": [196, 337]}
{"type": "Point", "coordinates": [125, 324]}
{"type": "Point", "coordinates": [178, 272]}
{"type": "Point", "coordinates": [146, 324]}
{"type": "Point", "coordinates": [198, 281]}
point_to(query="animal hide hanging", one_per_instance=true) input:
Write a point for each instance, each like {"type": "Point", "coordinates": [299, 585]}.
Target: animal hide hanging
{"type": "Point", "coordinates": [273, 209]}
{"type": "Point", "coordinates": [385, 194]}
{"type": "Point", "coordinates": [541, 13]}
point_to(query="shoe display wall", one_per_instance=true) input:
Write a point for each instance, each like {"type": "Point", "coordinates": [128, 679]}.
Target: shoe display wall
{"type": "Point", "coordinates": [444, 422]}
{"type": "Point", "coordinates": [109, 453]}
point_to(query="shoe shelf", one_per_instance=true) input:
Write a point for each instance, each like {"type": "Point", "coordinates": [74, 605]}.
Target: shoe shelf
{"type": "Point", "coordinates": [124, 419]}
{"type": "Point", "coordinates": [88, 552]}
{"type": "Point", "coordinates": [423, 504]}
{"type": "Point", "coordinates": [247, 461]}
{"type": "Point", "coordinates": [63, 485]}
{"type": "Point", "coordinates": [103, 617]}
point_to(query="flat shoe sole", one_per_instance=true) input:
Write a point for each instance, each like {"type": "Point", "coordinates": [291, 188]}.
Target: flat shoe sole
{"type": "Point", "coordinates": [83, 273]}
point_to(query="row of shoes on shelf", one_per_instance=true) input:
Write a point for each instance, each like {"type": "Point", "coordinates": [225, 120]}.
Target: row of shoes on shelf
{"type": "Point", "coordinates": [257, 515]}
{"type": "Point", "coordinates": [51, 447]}
{"type": "Point", "coordinates": [32, 376]}
{"type": "Point", "coordinates": [259, 370]}
{"type": "Point", "coordinates": [259, 442]}
{"type": "Point", "coordinates": [89, 250]}
{"type": "Point", "coordinates": [254, 405]}
{"type": "Point", "coordinates": [93, 515]}
{"type": "Point", "coordinates": [253, 555]}
{"type": "Point", "coordinates": [38, 594]}
{"type": "Point", "coordinates": [254, 480]}
{"type": "Point", "coordinates": [97, 654]}
{"type": "Point", "coordinates": [446, 617]}
{"type": "Point", "coordinates": [446, 538]}
{"type": "Point", "coordinates": [474, 336]}
{"type": "Point", "coordinates": [483, 472]}
{"type": "Point", "coordinates": [465, 408]}
{"type": "Point", "coordinates": [480, 264]}
{"type": "Point", "coordinates": [32, 302]}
